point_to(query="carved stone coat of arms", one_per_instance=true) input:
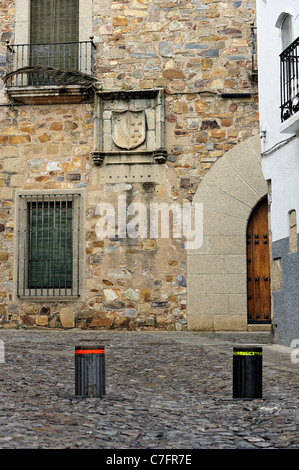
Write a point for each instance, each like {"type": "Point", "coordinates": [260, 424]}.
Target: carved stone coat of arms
{"type": "Point", "coordinates": [128, 128]}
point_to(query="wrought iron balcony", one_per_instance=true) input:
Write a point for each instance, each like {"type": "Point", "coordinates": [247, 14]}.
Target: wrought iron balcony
{"type": "Point", "coordinates": [38, 65]}
{"type": "Point", "coordinates": [289, 80]}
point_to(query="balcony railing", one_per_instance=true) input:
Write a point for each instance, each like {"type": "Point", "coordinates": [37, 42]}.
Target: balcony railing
{"type": "Point", "coordinates": [289, 80]}
{"type": "Point", "coordinates": [49, 64]}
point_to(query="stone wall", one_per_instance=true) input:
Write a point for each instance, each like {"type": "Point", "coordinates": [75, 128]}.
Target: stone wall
{"type": "Point", "coordinates": [196, 51]}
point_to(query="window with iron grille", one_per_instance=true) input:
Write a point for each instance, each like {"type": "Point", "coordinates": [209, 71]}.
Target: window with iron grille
{"type": "Point", "coordinates": [49, 245]}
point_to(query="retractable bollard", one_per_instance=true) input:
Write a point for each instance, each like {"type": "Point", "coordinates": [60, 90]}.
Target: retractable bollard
{"type": "Point", "coordinates": [90, 371]}
{"type": "Point", "coordinates": [247, 372]}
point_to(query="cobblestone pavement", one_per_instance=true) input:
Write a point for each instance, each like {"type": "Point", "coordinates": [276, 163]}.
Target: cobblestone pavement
{"type": "Point", "coordinates": [164, 390]}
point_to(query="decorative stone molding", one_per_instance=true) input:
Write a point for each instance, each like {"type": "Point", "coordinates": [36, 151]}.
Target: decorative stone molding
{"type": "Point", "coordinates": [129, 127]}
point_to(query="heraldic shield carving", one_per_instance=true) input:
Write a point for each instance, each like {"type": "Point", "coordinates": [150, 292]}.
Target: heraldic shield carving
{"type": "Point", "coordinates": [128, 128]}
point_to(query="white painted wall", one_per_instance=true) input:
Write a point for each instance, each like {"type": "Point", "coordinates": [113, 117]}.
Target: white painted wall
{"type": "Point", "coordinates": [280, 165]}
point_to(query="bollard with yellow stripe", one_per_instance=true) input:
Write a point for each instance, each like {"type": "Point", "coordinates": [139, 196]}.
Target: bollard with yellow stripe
{"type": "Point", "coordinates": [89, 371]}
{"type": "Point", "coordinates": [247, 372]}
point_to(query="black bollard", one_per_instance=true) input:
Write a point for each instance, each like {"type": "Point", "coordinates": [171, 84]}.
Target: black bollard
{"type": "Point", "coordinates": [90, 371]}
{"type": "Point", "coordinates": [247, 372]}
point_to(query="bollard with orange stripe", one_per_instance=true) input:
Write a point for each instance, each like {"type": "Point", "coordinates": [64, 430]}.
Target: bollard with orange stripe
{"type": "Point", "coordinates": [89, 371]}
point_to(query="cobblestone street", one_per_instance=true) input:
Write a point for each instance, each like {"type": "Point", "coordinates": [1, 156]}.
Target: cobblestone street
{"type": "Point", "coordinates": [164, 390]}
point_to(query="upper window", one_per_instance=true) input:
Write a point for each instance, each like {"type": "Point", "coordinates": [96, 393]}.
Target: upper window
{"type": "Point", "coordinates": [53, 42]}
{"type": "Point", "coordinates": [286, 31]}
{"type": "Point", "coordinates": [289, 87]}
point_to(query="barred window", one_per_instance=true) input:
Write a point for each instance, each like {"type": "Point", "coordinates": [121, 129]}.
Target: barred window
{"type": "Point", "coordinates": [49, 245]}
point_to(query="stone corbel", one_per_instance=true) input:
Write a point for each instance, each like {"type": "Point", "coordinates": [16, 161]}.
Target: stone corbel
{"type": "Point", "coordinates": [98, 157]}
{"type": "Point", "coordinates": [160, 155]}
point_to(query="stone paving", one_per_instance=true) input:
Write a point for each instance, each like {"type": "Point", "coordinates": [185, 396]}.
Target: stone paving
{"type": "Point", "coordinates": [163, 391]}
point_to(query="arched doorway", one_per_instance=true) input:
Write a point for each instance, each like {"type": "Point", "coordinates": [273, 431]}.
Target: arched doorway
{"type": "Point", "coordinates": [258, 266]}
{"type": "Point", "coordinates": [217, 271]}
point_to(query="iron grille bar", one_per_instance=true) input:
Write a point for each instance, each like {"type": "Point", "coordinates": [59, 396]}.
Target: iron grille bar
{"type": "Point", "coordinates": [289, 80]}
{"type": "Point", "coordinates": [48, 245]}
{"type": "Point", "coordinates": [36, 244]}
{"type": "Point", "coordinates": [42, 242]}
{"type": "Point", "coordinates": [53, 241]}
{"type": "Point", "coordinates": [25, 256]}
{"type": "Point", "coordinates": [78, 248]}
{"type": "Point", "coordinates": [60, 239]}
{"type": "Point", "coordinates": [61, 56]}
{"type": "Point", "coordinates": [18, 250]}
{"type": "Point", "coordinates": [65, 249]}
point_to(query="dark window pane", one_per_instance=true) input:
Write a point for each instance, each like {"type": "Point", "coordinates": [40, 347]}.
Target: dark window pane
{"type": "Point", "coordinates": [50, 245]}
{"type": "Point", "coordinates": [54, 21]}
{"type": "Point", "coordinates": [54, 24]}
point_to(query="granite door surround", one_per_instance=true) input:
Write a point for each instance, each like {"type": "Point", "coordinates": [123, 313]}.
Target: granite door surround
{"type": "Point", "coordinates": [217, 272]}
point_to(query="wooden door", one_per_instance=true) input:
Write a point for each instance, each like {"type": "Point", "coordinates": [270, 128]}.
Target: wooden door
{"type": "Point", "coordinates": [258, 266]}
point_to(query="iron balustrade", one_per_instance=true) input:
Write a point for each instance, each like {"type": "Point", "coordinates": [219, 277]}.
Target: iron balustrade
{"type": "Point", "coordinates": [289, 80]}
{"type": "Point", "coordinates": [44, 59]}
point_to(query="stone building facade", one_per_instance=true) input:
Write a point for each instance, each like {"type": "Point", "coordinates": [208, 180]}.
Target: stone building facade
{"type": "Point", "coordinates": [184, 71]}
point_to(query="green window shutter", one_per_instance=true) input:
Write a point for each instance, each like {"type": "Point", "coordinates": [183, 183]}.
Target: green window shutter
{"type": "Point", "coordinates": [54, 24]}
{"type": "Point", "coordinates": [54, 21]}
{"type": "Point", "coordinates": [66, 23]}
{"type": "Point", "coordinates": [50, 260]}
{"type": "Point", "coordinates": [41, 21]}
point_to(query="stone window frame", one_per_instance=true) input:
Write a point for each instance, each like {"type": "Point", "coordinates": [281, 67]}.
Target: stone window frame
{"type": "Point", "coordinates": [45, 94]}
{"type": "Point", "coordinates": [22, 21]}
{"type": "Point", "coordinates": [21, 221]}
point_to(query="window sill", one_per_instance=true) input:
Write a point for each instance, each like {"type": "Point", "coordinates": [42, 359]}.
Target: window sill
{"type": "Point", "coordinates": [55, 94]}
{"type": "Point", "coordinates": [49, 298]}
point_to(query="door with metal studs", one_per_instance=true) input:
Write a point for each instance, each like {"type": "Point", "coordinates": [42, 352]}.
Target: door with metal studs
{"type": "Point", "coordinates": [258, 266]}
